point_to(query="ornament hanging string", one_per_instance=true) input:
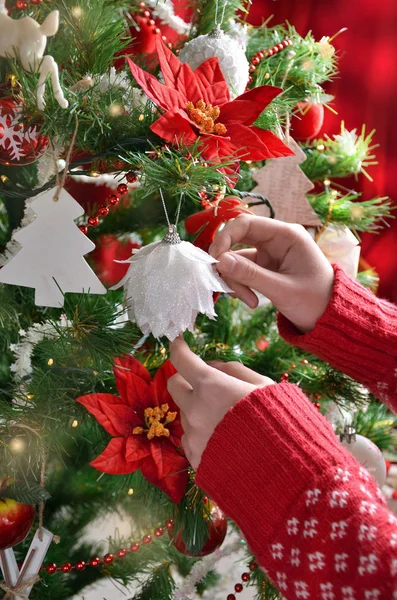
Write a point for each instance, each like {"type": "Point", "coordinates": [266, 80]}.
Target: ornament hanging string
{"type": "Point", "coordinates": [61, 181]}
{"type": "Point", "coordinates": [219, 24]}
{"type": "Point", "coordinates": [178, 210]}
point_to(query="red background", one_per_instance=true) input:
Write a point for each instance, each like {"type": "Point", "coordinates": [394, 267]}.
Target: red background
{"type": "Point", "coordinates": [365, 92]}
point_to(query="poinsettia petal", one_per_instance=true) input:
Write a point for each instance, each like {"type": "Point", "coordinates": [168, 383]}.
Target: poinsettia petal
{"type": "Point", "coordinates": [159, 385]}
{"type": "Point", "coordinates": [132, 380]}
{"type": "Point", "coordinates": [250, 144]}
{"type": "Point", "coordinates": [196, 221]}
{"type": "Point", "coordinates": [170, 64]}
{"type": "Point", "coordinates": [123, 368]}
{"type": "Point", "coordinates": [110, 411]}
{"type": "Point", "coordinates": [174, 127]}
{"type": "Point", "coordinates": [211, 82]}
{"type": "Point", "coordinates": [137, 448]}
{"type": "Point", "coordinates": [178, 75]}
{"type": "Point", "coordinates": [247, 107]}
{"type": "Point", "coordinates": [214, 148]}
{"type": "Point", "coordinates": [276, 147]}
{"type": "Point", "coordinates": [174, 471]}
{"type": "Point", "coordinates": [113, 459]}
{"type": "Point", "coordinates": [162, 95]}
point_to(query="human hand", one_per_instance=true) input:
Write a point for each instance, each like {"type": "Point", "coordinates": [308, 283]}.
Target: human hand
{"type": "Point", "coordinates": [285, 264]}
{"type": "Point", "coordinates": [204, 393]}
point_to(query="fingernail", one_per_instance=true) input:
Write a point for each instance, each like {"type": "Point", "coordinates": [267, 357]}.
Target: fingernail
{"type": "Point", "coordinates": [212, 250]}
{"type": "Point", "coordinates": [227, 263]}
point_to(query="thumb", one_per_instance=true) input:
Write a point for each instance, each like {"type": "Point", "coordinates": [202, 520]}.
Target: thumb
{"type": "Point", "coordinates": [235, 267]}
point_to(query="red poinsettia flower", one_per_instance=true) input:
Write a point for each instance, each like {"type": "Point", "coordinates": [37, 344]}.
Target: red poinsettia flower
{"type": "Point", "coordinates": [208, 221]}
{"type": "Point", "coordinates": [145, 425]}
{"type": "Point", "coordinates": [197, 104]}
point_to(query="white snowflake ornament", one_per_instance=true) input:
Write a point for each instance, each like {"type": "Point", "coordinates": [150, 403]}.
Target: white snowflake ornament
{"type": "Point", "coordinates": [168, 283]}
{"type": "Point", "coordinates": [20, 143]}
{"type": "Point", "coordinates": [230, 53]}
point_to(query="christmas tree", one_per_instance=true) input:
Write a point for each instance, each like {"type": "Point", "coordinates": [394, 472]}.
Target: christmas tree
{"type": "Point", "coordinates": [187, 120]}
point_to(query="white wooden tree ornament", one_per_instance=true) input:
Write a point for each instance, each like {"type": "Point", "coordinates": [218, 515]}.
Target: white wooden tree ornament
{"type": "Point", "coordinates": [26, 40]}
{"type": "Point", "coordinates": [18, 583]}
{"type": "Point", "coordinates": [52, 249]}
{"type": "Point", "coordinates": [284, 183]}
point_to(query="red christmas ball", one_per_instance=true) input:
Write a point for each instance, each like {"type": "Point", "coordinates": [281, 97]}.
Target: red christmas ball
{"type": "Point", "coordinates": [307, 121]}
{"type": "Point", "coordinates": [20, 143]}
{"type": "Point", "coordinates": [217, 527]}
{"type": "Point", "coordinates": [16, 519]}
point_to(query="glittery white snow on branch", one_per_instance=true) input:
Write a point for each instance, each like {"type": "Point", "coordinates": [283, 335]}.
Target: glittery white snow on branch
{"type": "Point", "coordinates": [187, 589]}
{"type": "Point", "coordinates": [164, 10]}
{"type": "Point", "coordinates": [22, 367]}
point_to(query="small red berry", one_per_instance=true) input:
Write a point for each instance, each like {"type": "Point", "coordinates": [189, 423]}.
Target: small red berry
{"type": "Point", "coordinates": [103, 211]}
{"type": "Point", "coordinates": [95, 562]}
{"type": "Point", "coordinates": [93, 221]}
{"type": "Point", "coordinates": [146, 539]}
{"type": "Point", "coordinates": [80, 565]}
{"type": "Point", "coordinates": [113, 199]}
{"type": "Point", "coordinates": [122, 189]}
{"type": "Point", "coordinates": [51, 568]}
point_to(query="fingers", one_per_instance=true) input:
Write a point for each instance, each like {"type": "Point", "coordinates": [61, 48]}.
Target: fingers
{"type": "Point", "coordinates": [246, 230]}
{"type": "Point", "coordinates": [180, 391]}
{"type": "Point", "coordinates": [242, 292]}
{"type": "Point", "coordinates": [238, 270]}
{"type": "Point", "coordinates": [188, 364]}
{"type": "Point", "coordinates": [240, 371]}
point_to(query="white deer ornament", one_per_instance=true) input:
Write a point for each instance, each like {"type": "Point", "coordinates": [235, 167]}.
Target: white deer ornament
{"type": "Point", "coordinates": [26, 39]}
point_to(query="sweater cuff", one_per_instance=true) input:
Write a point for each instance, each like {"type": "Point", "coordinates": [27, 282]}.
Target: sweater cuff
{"type": "Point", "coordinates": [270, 448]}
{"type": "Point", "coordinates": [357, 334]}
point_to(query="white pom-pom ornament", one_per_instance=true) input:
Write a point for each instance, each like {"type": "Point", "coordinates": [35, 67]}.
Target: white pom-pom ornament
{"type": "Point", "coordinates": [368, 455]}
{"type": "Point", "coordinates": [230, 53]}
{"type": "Point", "coordinates": [168, 283]}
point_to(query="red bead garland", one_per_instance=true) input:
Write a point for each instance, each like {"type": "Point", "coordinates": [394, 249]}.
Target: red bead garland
{"type": "Point", "coordinates": [147, 16]}
{"type": "Point", "coordinates": [109, 558]}
{"type": "Point", "coordinates": [113, 200]}
{"type": "Point", "coordinates": [261, 54]}
{"type": "Point", "coordinates": [23, 4]}
{"type": "Point", "coordinates": [245, 577]}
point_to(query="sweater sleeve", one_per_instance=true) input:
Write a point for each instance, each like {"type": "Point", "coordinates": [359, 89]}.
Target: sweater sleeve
{"type": "Point", "coordinates": [314, 518]}
{"type": "Point", "coordinates": [357, 334]}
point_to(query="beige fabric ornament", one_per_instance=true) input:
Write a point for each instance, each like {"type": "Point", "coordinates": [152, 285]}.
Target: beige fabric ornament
{"type": "Point", "coordinates": [284, 183]}
{"type": "Point", "coordinates": [340, 246]}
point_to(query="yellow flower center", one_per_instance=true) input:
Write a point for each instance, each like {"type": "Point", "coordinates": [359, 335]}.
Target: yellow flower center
{"type": "Point", "coordinates": [156, 420]}
{"type": "Point", "coordinates": [205, 115]}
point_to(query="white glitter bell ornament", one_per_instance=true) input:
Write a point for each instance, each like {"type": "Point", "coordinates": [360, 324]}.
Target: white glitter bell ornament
{"type": "Point", "coordinates": [366, 453]}
{"type": "Point", "coordinates": [229, 51]}
{"type": "Point", "coordinates": [168, 283]}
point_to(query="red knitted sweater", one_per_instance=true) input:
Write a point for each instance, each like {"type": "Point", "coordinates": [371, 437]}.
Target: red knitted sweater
{"type": "Point", "coordinates": [314, 518]}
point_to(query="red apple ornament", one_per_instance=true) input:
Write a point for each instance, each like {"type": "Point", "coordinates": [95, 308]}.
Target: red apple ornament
{"type": "Point", "coordinates": [217, 527]}
{"type": "Point", "coordinates": [307, 121]}
{"type": "Point", "coordinates": [16, 520]}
